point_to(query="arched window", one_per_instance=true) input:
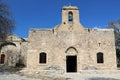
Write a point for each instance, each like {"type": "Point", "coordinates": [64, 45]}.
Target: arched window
{"type": "Point", "coordinates": [70, 17]}
{"type": "Point", "coordinates": [2, 58]}
{"type": "Point", "coordinates": [42, 57]}
{"type": "Point", "coordinates": [100, 58]}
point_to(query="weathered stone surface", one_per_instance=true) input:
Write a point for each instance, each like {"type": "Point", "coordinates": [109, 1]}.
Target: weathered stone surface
{"type": "Point", "coordinates": [15, 51]}
{"type": "Point", "coordinates": [66, 40]}
{"type": "Point", "coordinates": [71, 39]}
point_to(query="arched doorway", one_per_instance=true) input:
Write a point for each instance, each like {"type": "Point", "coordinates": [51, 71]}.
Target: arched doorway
{"type": "Point", "coordinates": [71, 59]}
{"type": "Point", "coordinates": [2, 58]}
{"type": "Point", "coordinates": [71, 63]}
{"type": "Point", "coordinates": [9, 54]}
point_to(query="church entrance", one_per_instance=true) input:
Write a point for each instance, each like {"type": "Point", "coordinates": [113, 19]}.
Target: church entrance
{"type": "Point", "coordinates": [71, 63]}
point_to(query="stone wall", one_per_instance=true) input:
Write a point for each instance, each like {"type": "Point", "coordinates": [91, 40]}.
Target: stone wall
{"type": "Point", "coordinates": [70, 38]}
{"type": "Point", "coordinates": [87, 43]}
{"type": "Point", "coordinates": [65, 40]}
{"type": "Point", "coordinates": [14, 49]}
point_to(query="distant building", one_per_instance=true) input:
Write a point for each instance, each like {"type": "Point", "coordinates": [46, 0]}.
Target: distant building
{"type": "Point", "coordinates": [68, 47]}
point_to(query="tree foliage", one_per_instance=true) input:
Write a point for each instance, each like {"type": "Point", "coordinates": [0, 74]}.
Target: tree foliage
{"type": "Point", "coordinates": [6, 21]}
{"type": "Point", "coordinates": [116, 27]}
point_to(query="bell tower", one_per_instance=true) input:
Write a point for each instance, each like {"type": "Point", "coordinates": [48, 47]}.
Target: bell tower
{"type": "Point", "coordinates": [70, 20]}
{"type": "Point", "coordinates": [70, 14]}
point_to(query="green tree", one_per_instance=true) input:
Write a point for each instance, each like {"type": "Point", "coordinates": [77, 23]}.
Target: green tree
{"type": "Point", "coordinates": [6, 21]}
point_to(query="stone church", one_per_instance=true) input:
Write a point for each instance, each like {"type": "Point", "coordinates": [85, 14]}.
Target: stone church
{"type": "Point", "coordinates": [68, 47]}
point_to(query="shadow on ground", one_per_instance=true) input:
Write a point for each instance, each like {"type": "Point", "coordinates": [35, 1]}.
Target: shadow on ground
{"type": "Point", "coordinates": [9, 70]}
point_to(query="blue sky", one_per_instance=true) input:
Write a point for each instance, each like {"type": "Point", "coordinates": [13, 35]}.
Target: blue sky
{"type": "Point", "coordinates": [47, 13]}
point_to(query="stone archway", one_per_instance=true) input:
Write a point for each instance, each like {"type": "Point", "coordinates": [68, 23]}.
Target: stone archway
{"type": "Point", "coordinates": [11, 54]}
{"type": "Point", "coordinates": [71, 59]}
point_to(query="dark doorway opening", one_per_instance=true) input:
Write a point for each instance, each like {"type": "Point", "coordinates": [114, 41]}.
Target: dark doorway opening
{"type": "Point", "coordinates": [71, 63]}
{"type": "Point", "coordinates": [2, 60]}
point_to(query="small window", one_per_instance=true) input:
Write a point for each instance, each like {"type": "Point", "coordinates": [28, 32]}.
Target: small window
{"type": "Point", "coordinates": [70, 17]}
{"type": "Point", "coordinates": [42, 57]}
{"type": "Point", "coordinates": [2, 58]}
{"type": "Point", "coordinates": [100, 58]}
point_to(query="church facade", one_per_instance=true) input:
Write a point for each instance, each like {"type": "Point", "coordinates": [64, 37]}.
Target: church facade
{"type": "Point", "coordinates": [69, 46]}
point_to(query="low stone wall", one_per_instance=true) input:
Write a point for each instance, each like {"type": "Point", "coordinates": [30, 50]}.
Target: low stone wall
{"type": "Point", "coordinates": [47, 72]}
{"type": "Point", "coordinates": [61, 72]}
{"type": "Point", "coordinates": [37, 71]}
{"type": "Point", "coordinates": [100, 71]}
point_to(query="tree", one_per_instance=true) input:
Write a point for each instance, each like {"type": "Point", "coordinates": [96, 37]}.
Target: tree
{"type": "Point", "coordinates": [116, 27]}
{"type": "Point", "coordinates": [6, 21]}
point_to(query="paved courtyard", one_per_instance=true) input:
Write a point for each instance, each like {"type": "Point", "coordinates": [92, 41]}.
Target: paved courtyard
{"type": "Point", "coordinates": [70, 76]}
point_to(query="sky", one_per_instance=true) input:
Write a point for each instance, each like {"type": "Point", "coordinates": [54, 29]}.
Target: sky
{"type": "Point", "coordinates": [29, 14]}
